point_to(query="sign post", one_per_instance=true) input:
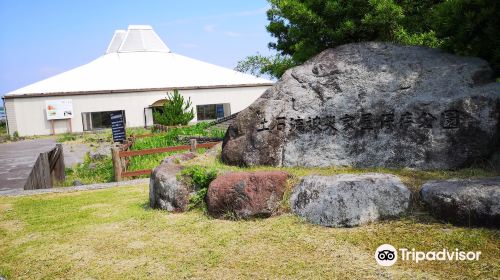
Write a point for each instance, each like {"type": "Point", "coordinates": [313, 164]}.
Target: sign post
{"type": "Point", "coordinates": [118, 127]}
{"type": "Point", "coordinates": [58, 110]}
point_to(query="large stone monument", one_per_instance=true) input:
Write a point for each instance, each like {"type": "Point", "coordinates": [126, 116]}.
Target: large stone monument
{"type": "Point", "coordinates": [372, 104]}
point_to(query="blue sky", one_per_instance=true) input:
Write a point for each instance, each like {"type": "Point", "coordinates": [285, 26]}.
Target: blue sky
{"type": "Point", "coordinates": [39, 39]}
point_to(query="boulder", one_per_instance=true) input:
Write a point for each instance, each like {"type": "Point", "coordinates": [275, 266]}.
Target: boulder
{"type": "Point", "coordinates": [165, 190]}
{"type": "Point", "coordinates": [349, 200]}
{"type": "Point", "coordinates": [464, 202]}
{"type": "Point", "coordinates": [372, 105]}
{"type": "Point", "coordinates": [246, 195]}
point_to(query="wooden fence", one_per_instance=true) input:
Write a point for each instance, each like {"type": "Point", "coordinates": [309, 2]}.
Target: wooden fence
{"type": "Point", "coordinates": [122, 153]}
{"type": "Point", "coordinates": [48, 169]}
{"type": "Point", "coordinates": [159, 127]}
{"type": "Point", "coordinates": [224, 119]}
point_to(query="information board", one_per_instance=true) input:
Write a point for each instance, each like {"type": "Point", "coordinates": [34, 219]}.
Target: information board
{"type": "Point", "coordinates": [118, 127]}
{"type": "Point", "coordinates": [59, 109]}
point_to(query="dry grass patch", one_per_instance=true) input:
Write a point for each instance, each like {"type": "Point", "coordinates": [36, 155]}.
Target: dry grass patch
{"type": "Point", "coordinates": [111, 234]}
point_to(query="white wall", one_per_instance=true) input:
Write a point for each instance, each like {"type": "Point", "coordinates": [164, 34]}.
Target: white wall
{"type": "Point", "coordinates": [30, 118]}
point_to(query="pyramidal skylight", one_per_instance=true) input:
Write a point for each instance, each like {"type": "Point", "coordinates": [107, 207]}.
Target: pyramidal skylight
{"type": "Point", "coordinates": [138, 38]}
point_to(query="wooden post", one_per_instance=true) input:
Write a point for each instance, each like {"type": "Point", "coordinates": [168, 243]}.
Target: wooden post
{"type": "Point", "coordinates": [193, 145]}
{"type": "Point", "coordinates": [39, 177]}
{"type": "Point", "coordinates": [52, 128]}
{"type": "Point", "coordinates": [70, 126]}
{"type": "Point", "coordinates": [58, 171]}
{"type": "Point", "coordinates": [117, 163]}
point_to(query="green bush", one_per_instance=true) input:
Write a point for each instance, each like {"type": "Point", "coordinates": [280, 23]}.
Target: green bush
{"type": "Point", "coordinates": [169, 138]}
{"type": "Point", "coordinates": [3, 128]}
{"type": "Point", "coordinates": [90, 172]}
{"type": "Point", "coordinates": [200, 177]}
{"type": "Point", "coordinates": [66, 137]}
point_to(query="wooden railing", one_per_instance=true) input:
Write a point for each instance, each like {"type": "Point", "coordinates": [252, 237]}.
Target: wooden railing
{"type": "Point", "coordinates": [122, 153]}
{"type": "Point", "coordinates": [48, 169]}
{"type": "Point", "coordinates": [160, 127]}
{"type": "Point", "coordinates": [224, 119]}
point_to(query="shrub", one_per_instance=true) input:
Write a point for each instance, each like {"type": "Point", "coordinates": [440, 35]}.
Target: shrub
{"type": "Point", "coordinates": [90, 171]}
{"type": "Point", "coordinates": [175, 111]}
{"type": "Point", "coordinates": [66, 137]}
{"type": "Point", "coordinates": [199, 177]}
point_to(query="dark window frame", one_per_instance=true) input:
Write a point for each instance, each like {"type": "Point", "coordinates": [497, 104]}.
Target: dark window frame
{"type": "Point", "coordinates": [99, 115]}
{"type": "Point", "coordinates": [205, 112]}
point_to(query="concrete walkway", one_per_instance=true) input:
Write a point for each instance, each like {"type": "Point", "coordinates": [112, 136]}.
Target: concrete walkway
{"type": "Point", "coordinates": [17, 159]}
{"type": "Point", "coordinates": [21, 192]}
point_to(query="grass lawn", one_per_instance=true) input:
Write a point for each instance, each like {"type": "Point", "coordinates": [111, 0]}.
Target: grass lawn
{"type": "Point", "coordinates": [112, 234]}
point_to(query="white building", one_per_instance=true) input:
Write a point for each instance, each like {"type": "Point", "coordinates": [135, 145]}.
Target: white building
{"type": "Point", "coordinates": [133, 76]}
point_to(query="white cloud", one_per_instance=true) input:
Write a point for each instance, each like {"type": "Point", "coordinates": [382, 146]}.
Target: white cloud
{"type": "Point", "coordinates": [209, 28]}
{"type": "Point", "coordinates": [232, 34]}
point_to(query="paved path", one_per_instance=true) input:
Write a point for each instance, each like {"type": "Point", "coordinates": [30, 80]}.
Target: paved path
{"type": "Point", "coordinates": [17, 159]}
{"type": "Point", "coordinates": [74, 153]}
{"type": "Point", "coordinates": [21, 192]}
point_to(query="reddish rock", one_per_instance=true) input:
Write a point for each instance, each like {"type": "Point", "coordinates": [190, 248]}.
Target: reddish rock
{"type": "Point", "coordinates": [246, 195]}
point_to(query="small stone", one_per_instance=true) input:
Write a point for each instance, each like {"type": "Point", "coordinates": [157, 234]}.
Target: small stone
{"type": "Point", "coordinates": [77, 183]}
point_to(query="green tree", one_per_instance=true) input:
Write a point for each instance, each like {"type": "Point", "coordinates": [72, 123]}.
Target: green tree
{"type": "Point", "coordinates": [470, 27]}
{"type": "Point", "coordinates": [175, 110]}
{"type": "Point", "coordinates": [259, 65]}
{"type": "Point", "coordinates": [303, 28]}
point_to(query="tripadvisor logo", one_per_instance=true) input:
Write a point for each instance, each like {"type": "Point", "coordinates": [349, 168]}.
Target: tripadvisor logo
{"type": "Point", "coordinates": [387, 255]}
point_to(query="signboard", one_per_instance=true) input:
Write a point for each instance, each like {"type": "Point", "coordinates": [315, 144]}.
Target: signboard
{"type": "Point", "coordinates": [118, 126]}
{"type": "Point", "coordinates": [219, 111]}
{"type": "Point", "coordinates": [59, 109]}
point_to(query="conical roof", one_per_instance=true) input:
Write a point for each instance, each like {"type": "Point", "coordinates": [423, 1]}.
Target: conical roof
{"type": "Point", "coordinates": [138, 38]}
{"type": "Point", "coordinates": [138, 60]}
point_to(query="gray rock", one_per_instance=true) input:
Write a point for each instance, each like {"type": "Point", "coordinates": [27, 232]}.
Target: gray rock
{"type": "Point", "coordinates": [372, 105]}
{"type": "Point", "coordinates": [92, 166]}
{"type": "Point", "coordinates": [464, 202]}
{"type": "Point", "coordinates": [77, 183]}
{"type": "Point", "coordinates": [102, 151]}
{"type": "Point", "coordinates": [97, 157]}
{"type": "Point", "coordinates": [165, 190]}
{"type": "Point", "coordinates": [349, 200]}
{"type": "Point", "coordinates": [494, 161]}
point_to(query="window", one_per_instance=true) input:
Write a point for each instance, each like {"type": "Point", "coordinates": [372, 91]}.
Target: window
{"type": "Point", "coordinates": [212, 111]}
{"type": "Point", "coordinates": [98, 120]}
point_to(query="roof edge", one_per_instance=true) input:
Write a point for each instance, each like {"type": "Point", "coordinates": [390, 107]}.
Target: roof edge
{"type": "Point", "coordinates": [28, 95]}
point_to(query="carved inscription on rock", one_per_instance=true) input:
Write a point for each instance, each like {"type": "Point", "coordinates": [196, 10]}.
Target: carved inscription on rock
{"type": "Point", "coordinates": [366, 121]}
